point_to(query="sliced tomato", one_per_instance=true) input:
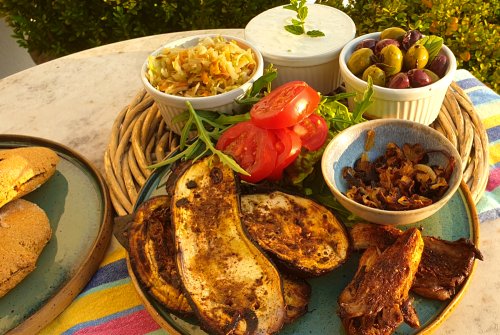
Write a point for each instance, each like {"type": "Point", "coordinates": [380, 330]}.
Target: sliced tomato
{"type": "Point", "coordinates": [288, 146]}
{"type": "Point", "coordinates": [313, 132]}
{"type": "Point", "coordinates": [285, 106]}
{"type": "Point", "coordinates": [252, 147]}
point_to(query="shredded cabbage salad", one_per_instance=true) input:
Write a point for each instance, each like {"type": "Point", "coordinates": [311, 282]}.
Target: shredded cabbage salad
{"type": "Point", "coordinates": [213, 66]}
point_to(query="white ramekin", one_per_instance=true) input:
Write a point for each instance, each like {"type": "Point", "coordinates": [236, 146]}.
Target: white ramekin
{"type": "Point", "coordinates": [314, 60]}
{"type": "Point", "coordinates": [420, 104]}
{"type": "Point", "coordinates": [173, 105]}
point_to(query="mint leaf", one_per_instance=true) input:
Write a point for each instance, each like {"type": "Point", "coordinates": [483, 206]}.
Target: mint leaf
{"type": "Point", "coordinates": [296, 30]}
{"type": "Point", "coordinates": [302, 13]}
{"type": "Point", "coordinates": [297, 26]}
{"type": "Point", "coordinates": [315, 33]}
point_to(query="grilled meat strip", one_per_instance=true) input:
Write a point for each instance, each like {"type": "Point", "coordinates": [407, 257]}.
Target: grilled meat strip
{"type": "Point", "coordinates": [376, 301]}
{"type": "Point", "coordinates": [444, 266]}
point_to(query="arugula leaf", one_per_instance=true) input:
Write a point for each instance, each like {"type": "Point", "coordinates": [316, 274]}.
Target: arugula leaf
{"type": "Point", "coordinates": [204, 143]}
{"type": "Point", "coordinates": [361, 106]}
{"type": "Point", "coordinates": [263, 83]}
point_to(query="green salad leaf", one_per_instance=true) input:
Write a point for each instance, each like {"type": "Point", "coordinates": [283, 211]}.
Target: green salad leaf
{"type": "Point", "coordinates": [260, 87]}
{"type": "Point", "coordinates": [433, 44]}
{"type": "Point", "coordinates": [305, 172]}
{"type": "Point", "coordinates": [204, 142]}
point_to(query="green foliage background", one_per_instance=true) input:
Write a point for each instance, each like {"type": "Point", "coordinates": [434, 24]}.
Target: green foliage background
{"type": "Point", "coordinates": [59, 27]}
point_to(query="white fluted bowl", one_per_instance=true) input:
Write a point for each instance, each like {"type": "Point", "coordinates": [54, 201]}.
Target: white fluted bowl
{"type": "Point", "coordinates": [172, 105]}
{"type": "Point", "coordinates": [420, 104]}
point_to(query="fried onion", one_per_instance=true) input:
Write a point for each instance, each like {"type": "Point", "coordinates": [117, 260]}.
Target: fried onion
{"type": "Point", "coordinates": [398, 180]}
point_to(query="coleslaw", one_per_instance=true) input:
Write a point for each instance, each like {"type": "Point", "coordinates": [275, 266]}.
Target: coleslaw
{"type": "Point", "coordinates": [213, 66]}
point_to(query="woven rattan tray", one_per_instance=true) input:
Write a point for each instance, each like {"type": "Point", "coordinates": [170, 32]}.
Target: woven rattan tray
{"type": "Point", "coordinates": [140, 137]}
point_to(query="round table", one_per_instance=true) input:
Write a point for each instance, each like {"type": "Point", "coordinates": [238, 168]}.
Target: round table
{"type": "Point", "coordinates": [74, 100]}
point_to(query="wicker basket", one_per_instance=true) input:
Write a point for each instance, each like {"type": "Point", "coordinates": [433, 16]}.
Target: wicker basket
{"type": "Point", "coordinates": [140, 137]}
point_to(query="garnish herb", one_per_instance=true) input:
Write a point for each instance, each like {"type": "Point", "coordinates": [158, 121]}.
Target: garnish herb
{"type": "Point", "coordinates": [261, 86]}
{"type": "Point", "coordinates": [297, 26]}
{"type": "Point", "coordinates": [204, 142]}
{"type": "Point", "coordinates": [433, 44]}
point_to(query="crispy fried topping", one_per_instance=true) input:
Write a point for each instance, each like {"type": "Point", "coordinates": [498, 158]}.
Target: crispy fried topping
{"type": "Point", "coordinates": [398, 180]}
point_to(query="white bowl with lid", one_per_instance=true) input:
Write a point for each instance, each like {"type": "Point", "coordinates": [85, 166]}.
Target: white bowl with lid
{"type": "Point", "coordinates": [314, 60]}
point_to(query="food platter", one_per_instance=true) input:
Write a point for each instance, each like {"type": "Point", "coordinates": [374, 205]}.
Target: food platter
{"type": "Point", "coordinates": [76, 200]}
{"type": "Point", "coordinates": [457, 219]}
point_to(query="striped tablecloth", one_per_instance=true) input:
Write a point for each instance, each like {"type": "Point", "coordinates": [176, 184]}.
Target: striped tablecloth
{"type": "Point", "coordinates": [110, 305]}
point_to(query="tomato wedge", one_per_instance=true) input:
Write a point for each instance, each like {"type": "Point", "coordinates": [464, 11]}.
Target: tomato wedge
{"type": "Point", "coordinates": [285, 106]}
{"type": "Point", "coordinates": [288, 147]}
{"type": "Point", "coordinates": [313, 132]}
{"type": "Point", "coordinates": [252, 147]}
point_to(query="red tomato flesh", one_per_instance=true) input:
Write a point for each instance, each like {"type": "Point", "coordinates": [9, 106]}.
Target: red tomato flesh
{"type": "Point", "coordinates": [252, 147]}
{"type": "Point", "coordinates": [313, 132]}
{"type": "Point", "coordinates": [288, 147]}
{"type": "Point", "coordinates": [285, 106]}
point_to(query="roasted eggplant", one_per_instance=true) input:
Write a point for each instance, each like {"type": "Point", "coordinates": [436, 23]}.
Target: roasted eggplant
{"type": "Point", "coordinates": [231, 285]}
{"type": "Point", "coordinates": [376, 301]}
{"type": "Point", "coordinates": [297, 295]}
{"type": "Point", "coordinates": [152, 254]}
{"type": "Point", "coordinates": [300, 233]}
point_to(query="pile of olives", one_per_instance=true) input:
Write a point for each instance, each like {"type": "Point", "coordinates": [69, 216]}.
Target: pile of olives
{"type": "Point", "coordinates": [396, 60]}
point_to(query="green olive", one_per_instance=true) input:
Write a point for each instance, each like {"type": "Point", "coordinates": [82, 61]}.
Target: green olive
{"type": "Point", "coordinates": [394, 33]}
{"type": "Point", "coordinates": [360, 60]}
{"type": "Point", "coordinates": [392, 57]}
{"type": "Point", "coordinates": [377, 74]}
{"type": "Point", "coordinates": [416, 57]}
{"type": "Point", "coordinates": [434, 77]}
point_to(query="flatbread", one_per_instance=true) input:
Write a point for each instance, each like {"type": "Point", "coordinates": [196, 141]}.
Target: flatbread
{"type": "Point", "coordinates": [24, 232]}
{"type": "Point", "coordinates": [22, 170]}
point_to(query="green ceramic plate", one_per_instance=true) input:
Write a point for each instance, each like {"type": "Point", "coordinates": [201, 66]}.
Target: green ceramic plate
{"type": "Point", "coordinates": [76, 201]}
{"type": "Point", "coordinates": [458, 218]}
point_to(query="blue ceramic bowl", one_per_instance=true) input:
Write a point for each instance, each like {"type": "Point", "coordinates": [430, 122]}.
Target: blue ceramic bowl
{"type": "Point", "coordinates": [347, 147]}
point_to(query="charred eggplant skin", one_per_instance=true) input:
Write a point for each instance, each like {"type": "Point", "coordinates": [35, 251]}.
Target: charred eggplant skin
{"type": "Point", "coordinates": [152, 255]}
{"type": "Point", "coordinates": [230, 283]}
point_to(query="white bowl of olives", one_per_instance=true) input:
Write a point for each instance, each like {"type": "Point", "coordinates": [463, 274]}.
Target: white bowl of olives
{"type": "Point", "coordinates": [410, 72]}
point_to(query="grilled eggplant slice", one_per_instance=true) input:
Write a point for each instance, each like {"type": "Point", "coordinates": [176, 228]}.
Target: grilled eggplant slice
{"type": "Point", "coordinates": [231, 285]}
{"type": "Point", "coordinates": [299, 232]}
{"type": "Point", "coordinates": [297, 295]}
{"type": "Point", "coordinates": [152, 254]}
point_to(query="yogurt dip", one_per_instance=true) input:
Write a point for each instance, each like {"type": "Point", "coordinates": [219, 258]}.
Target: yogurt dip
{"type": "Point", "coordinates": [266, 31]}
{"type": "Point", "coordinates": [314, 60]}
